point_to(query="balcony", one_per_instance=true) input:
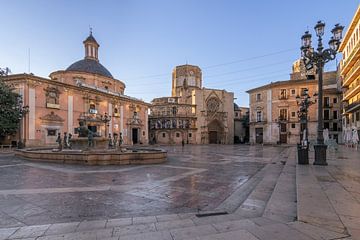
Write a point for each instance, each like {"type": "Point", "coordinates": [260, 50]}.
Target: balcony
{"type": "Point", "coordinates": [328, 105]}
{"type": "Point", "coordinates": [282, 119]}
{"type": "Point", "coordinates": [283, 97]}
{"type": "Point", "coordinates": [171, 115]}
{"type": "Point", "coordinates": [352, 107]}
{"type": "Point", "coordinates": [346, 65]}
{"type": "Point", "coordinates": [353, 73]}
{"type": "Point", "coordinates": [352, 90]}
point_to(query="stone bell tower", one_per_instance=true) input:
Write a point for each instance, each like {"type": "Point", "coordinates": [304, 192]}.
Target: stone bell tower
{"type": "Point", "coordinates": [185, 78]}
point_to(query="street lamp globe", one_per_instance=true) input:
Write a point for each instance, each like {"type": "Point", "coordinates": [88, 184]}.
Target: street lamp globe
{"type": "Point", "coordinates": [337, 31]}
{"type": "Point", "coordinates": [319, 28]}
{"type": "Point", "coordinates": [334, 44]}
{"type": "Point", "coordinates": [306, 40]}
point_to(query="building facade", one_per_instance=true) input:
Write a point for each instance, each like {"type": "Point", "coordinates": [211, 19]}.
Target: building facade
{"type": "Point", "coordinates": [241, 124]}
{"type": "Point", "coordinates": [80, 96]}
{"type": "Point", "coordinates": [274, 108]}
{"type": "Point", "coordinates": [350, 74]}
{"type": "Point", "coordinates": [192, 114]}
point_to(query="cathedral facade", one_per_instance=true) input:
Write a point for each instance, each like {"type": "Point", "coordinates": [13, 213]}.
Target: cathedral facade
{"type": "Point", "coordinates": [85, 95]}
{"type": "Point", "coordinates": [192, 114]}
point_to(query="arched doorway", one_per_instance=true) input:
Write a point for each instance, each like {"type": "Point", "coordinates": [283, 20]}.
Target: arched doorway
{"type": "Point", "coordinates": [215, 130]}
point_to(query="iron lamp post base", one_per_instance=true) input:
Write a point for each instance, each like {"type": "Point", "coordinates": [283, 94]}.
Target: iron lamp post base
{"type": "Point", "coordinates": [303, 155]}
{"type": "Point", "coordinates": [320, 154]}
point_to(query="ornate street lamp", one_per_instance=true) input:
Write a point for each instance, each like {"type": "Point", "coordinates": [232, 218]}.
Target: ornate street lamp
{"type": "Point", "coordinates": [318, 58]}
{"type": "Point", "coordinates": [105, 119]}
{"type": "Point", "coordinates": [23, 111]}
{"type": "Point", "coordinates": [304, 102]}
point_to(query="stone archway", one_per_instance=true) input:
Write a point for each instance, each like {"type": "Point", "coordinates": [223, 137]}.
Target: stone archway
{"type": "Point", "coordinates": [215, 131]}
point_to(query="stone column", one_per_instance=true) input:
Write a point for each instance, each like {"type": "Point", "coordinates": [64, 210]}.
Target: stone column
{"type": "Point", "coordinates": [110, 110]}
{"type": "Point", "coordinates": [32, 119]}
{"type": "Point", "coordinates": [70, 125]}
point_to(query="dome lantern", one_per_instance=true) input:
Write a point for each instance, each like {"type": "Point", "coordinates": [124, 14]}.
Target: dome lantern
{"type": "Point", "coordinates": [91, 47]}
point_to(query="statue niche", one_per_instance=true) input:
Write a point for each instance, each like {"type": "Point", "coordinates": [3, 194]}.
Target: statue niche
{"type": "Point", "coordinates": [52, 95]}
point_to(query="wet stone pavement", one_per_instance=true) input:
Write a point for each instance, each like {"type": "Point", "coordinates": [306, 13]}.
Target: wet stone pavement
{"type": "Point", "coordinates": [194, 178]}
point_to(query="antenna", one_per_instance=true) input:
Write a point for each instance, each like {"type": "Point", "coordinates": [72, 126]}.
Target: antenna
{"type": "Point", "coordinates": [29, 60]}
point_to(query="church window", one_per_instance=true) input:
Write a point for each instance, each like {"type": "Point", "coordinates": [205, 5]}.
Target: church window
{"type": "Point", "coordinates": [283, 114]}
{"type": "Point", "coordinates": [177, 135]}
{"type": "Point", "coordinates": [190, 135]}
{"type": "Point", "coordinates": [174, 110]}
{"type": "Point", "coordinates": [258, 97]}
{"type": "Point", "coordinates": [283, 94]}
{"type": "Point", "coordinates": [213, 104]}
{"type": "Point", "coordinates": [258, 116]}
{"type": "Point", "coordinates": [163, 135]}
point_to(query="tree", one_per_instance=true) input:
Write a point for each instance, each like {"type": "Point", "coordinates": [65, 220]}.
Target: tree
{"type": "Point", "coordinates": [10, 107]}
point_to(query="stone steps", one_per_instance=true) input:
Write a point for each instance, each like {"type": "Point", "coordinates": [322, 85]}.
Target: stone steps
{"type": "Point", "coordinates": [255, 203]}
{"type": "Point", "coordinates": [282, 203]}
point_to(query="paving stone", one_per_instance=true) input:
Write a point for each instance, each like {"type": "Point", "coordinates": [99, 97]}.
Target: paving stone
{"type": "Point", "coordinates": [91, 225]}
{"type": "Point", "coordinates": [61, 228]}
{"type": "Point", "coordinates": [162, 235]}
{"type": "Point", "coordinates": [168, 217]}
{"type": "Point", "coordinates": [351, 222]}
{"type": "Point", "coordinates": [174, 224]}
{"type": "Point", "coordinates": [276, 232]}
{"type": "Point", "coordinates": [134, 229]}
{"type": "Point", "coordinates": [355, 233]}
{"type": "Point", "coordinates": [262, 221]}
{"type": "Point", "coordinates": [6, 232]}
{"type": "Point", "coordinates": [235, 235]}
{"type": "Point", "coordinates": [316, 232]}
{"type": "Point", "coordinates": [148, 219]}
{"type": "Point", "coordinates": [233, 225]}
{"type": "Point", "coordinates": [313, 206]}
{"type": "Point", "coordinates": [216, 219]}
{"type": "Point", "coordinates": [186, 215]}
{"type": "Point", "coordinates": [30, 231]}
{"type": "Point", "coordinates": [118, 222]}
{"type": "Point", "coordinates": [85, 235]}
{"type": "Point", "coordinates": [192, 232]}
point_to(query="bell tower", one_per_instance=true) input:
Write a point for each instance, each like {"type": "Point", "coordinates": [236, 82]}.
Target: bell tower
{"type": "Point", "coordinates": [91, 47]}
{"type": "Point", "coordinates": [184, 78]}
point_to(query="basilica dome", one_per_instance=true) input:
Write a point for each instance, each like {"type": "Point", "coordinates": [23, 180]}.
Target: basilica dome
{"type": "Point", "coordinates": [90, 64]}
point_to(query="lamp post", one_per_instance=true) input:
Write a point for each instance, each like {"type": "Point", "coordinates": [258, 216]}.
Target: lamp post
{"type": "Point", "coordinates": [23, 110]}
{"type": "Point", "coordinates": [318, 58]}
{"type": "Point", "coordinates": [105, 119]}
{"type": "Point", "coordinates": [304, 102]}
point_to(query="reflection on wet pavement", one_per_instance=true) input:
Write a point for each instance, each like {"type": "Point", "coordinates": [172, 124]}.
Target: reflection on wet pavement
{"type": "Point", "coordinates": [195, 177]}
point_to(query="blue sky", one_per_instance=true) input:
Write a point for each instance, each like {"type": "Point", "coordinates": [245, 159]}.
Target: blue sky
{"type": "Point", "coordinates": [238, 44]}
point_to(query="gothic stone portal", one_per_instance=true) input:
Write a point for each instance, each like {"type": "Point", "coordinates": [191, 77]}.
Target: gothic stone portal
{"type": "Point", "coordinates": [216, 132]}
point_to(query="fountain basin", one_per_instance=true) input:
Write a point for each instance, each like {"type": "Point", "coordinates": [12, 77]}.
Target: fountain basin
{"type": "Point", "coordinates": [96, 157]}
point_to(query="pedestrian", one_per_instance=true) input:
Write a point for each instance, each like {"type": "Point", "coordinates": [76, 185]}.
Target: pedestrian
{"type": "Point", "coordinates": [183, 143]}
{"type": "Point", "coordinates": [58, 140]}
{"type": "Point", "coordinates": [69, 143]}
{"type": "Point", "coordinates": [65, 140]}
